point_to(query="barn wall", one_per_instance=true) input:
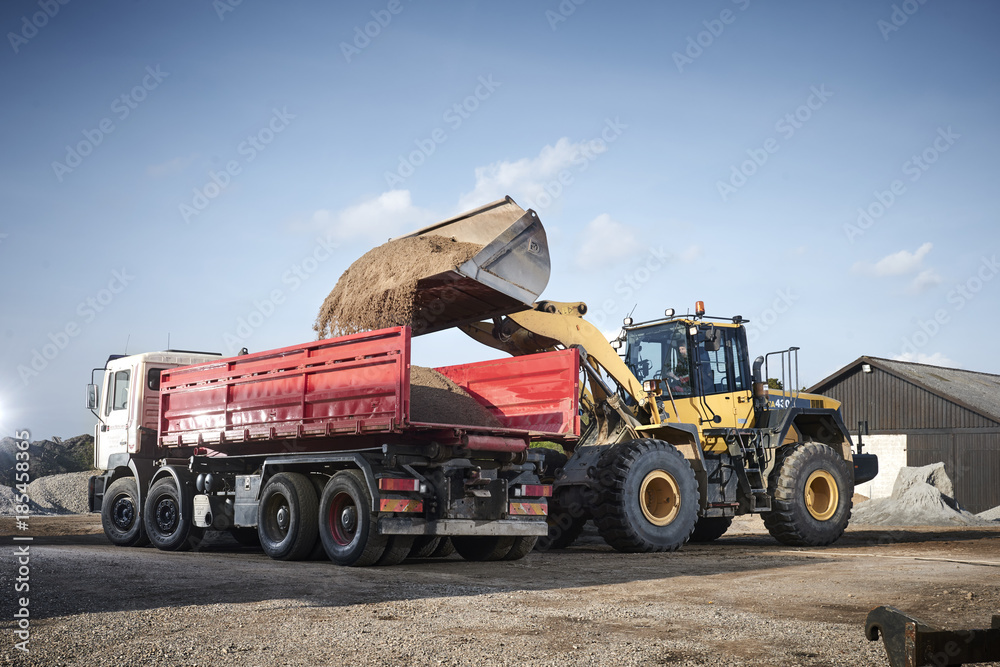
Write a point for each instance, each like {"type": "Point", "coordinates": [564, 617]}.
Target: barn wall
{"type": "Point", "coordinates": [972, 460]}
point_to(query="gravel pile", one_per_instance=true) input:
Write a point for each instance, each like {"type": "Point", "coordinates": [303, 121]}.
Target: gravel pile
{"type": "Point", "coordinates": [377, 290]}
{"type": "Point", "coordinates": [55, 494]}
{"type": "Point", "coordinates": [920, 497]}
{"type": "Point", "coordinates": [990, 515]}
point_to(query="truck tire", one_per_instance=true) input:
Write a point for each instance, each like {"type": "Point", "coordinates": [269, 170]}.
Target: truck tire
{"type": "Point", "coordinates": [346, 522]}
{"type": "Point", "coordinates": [482, 548]}
{"type": "Point", "coordinates": [522, 547]}
{"type": "Point", "coordinates": [444, 549]}
{"type": "Point", "coordinates": [168, 517]}
{"type": "Point", "coordinates": [424, 546]}
{"type": "Point", "coordinates": [287, 517]}
{"type": "Point", "coordinates": [650, 497]}
{"type": "Point", "coordinates": [396, 550]}
{"type": "Point", "coordinates": [120, 514]}
{"type": "Point", "coordinates": [710, 528]}
{"type": "Point", "coordinates": [811, 489]}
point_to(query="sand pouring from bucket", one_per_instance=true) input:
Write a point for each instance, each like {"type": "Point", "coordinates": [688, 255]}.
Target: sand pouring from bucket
{"type": "Point", "coordinates": [506, 276]}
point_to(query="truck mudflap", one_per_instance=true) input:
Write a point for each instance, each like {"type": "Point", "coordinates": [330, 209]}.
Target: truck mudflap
{"type": "Point", "coordinates": [503, 527]}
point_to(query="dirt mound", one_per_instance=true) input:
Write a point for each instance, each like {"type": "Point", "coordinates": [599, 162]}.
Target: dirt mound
{"type": "Point", "coordinates": [377, 290]}
{"type": "Point", "coordinates": [437, 400]}
{"type": "Point", "coordinates": [920, 497]}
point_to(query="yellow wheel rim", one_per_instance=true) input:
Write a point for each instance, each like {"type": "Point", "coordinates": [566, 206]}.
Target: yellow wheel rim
{"type": "Point", "coordinates": [822, 495]}
{"type": "Point", "coordinates": [660, 498]}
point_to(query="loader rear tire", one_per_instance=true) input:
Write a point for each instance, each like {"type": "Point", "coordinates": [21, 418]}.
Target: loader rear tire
{"type": "Point", "coordinates": [710, 528]}
{"type": "Point", "coordinates": [120, 514]}
{"type": "Point", "coordinates": [811, 488]}
{"type": "Point", "coordinates": [482, 548]}
{"type": "Point", "coordinates": [346, 522]}
{"type": "Point", "coordinates": [287, 517]}
{"type": "Point", "coordinates": [650, 497]}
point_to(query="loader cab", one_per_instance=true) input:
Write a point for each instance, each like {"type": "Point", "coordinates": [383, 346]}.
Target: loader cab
{"type": "Point", "coordinates": [702, 365]}
{"type": "Point", "coordinates": [126, 400]}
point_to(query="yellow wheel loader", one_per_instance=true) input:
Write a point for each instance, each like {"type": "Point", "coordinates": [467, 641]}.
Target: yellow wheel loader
{"type": "Point", "coordinates": [680, 432]}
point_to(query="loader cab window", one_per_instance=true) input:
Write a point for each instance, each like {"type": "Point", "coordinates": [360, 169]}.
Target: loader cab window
{"type": "Point", "coordinates": [724, 370]}
{"type": "Point", "coordinates": [661, 353]}
{"type": "Point", "coordinates": [119, 399]}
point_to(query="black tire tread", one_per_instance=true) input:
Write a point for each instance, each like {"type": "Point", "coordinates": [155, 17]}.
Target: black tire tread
{"type": "Point", "coordinates": [710, 528]}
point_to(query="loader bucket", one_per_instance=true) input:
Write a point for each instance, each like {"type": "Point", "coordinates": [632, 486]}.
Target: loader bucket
{"type": "Point", "coordinates": [506, 276]}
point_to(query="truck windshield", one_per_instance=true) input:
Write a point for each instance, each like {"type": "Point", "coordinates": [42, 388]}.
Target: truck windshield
{"type": "Point", "coordinates": [660, 353]}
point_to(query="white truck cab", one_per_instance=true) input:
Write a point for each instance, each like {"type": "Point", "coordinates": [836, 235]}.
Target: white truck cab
{"type": "Point", "coordinates": [130, 399]}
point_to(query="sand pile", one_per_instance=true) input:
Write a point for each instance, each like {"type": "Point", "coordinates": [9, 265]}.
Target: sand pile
{"type": "Point", "coordinates": [990, 515]}
{"type": "Point", "coordinates": [437, 400]}
{"type": "Point", "coordinates": [377, 290]}
{"type": "Point", "coordinates": [920, 497]}
{"type": "Point", "coordinates": [54, 494]}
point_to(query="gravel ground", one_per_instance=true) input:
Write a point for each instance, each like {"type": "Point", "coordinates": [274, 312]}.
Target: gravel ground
{"type": "Point", "coordinates": [54, 494]}
{"type": "Point", "coordinates": [744, 600]}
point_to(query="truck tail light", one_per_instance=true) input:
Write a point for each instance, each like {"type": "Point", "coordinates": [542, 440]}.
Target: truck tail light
{"type": "Point", "coordinates": [533, 491]}
{"type": "Point", "coordinates": [399, 484]}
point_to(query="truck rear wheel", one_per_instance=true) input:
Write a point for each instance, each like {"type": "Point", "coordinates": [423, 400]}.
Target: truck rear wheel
{"type": "Point", "coordinates": [522, 547]}
{"type": "Point", "coordinates": [424, 546]}
{"type": "Point", "coordinates": [120, 514]}
{"type": "Point", "coordinates": [482, 548]}
{"type": "Point", "coordinates": [168, 517]}
{"type": "Point", "coordinates": [650, 497]}
{"type": "Point", "coordinates": [811, 489]}
{"type": "Point", "coordinates": [346, 522]}
{"type": "Point", "coordinates": [287, 517]}
{"type": "Point", "coordinates": [710, 528]}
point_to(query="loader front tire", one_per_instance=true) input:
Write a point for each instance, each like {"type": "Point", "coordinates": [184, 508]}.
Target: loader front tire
{"type": "Point", "coordinates": [120, 514]}
{"type": "Point", "coordinates": [650, 497]}
{"type": "Point", "coordinates": [347, 525]}
{"type": "Point", "coordinates": [811, 488]}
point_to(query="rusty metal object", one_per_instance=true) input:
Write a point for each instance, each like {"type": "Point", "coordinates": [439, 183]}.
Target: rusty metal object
{"type": "Point", "coordinates": [910, 642]}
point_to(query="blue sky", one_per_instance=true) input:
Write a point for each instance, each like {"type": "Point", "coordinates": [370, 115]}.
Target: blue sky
{"type": "Point", "coordinates": [207, 170]}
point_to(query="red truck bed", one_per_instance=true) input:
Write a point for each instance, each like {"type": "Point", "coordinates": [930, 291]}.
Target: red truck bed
{"type": "Point", "coordinates": [359, 385]}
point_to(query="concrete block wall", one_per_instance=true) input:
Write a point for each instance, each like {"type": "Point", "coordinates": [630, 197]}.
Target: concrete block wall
{"type": "Point", "coordinates": [891, 452]}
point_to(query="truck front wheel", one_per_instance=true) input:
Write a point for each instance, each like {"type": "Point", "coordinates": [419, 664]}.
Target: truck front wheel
{"type": "Point", "coordinates": [120, 514]}
{"type": "Point", "coordinates": [168, 518]}
{"type": "Point", "coordinates": [811, 489]}
{"type": "Point", "coordinates": [346, 522]}
{"type": "Point", "coordinates": [287, 517]}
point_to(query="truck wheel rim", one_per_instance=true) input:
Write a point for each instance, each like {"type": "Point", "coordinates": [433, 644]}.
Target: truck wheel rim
{"type": "Point", "coordinates": [822, 495]}
{"type": "Point", "coordinates": [123, 512]}
{"type": "Point", "coordinates": [343, 519]}
{"type": "Point", "coordinates": [166, 516]}
{"type": "Point", "coordinates": [660, 497]}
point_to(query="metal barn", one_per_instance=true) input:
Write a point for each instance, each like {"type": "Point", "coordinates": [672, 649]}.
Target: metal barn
{"type": "Point", "coordinates": [919, 414]}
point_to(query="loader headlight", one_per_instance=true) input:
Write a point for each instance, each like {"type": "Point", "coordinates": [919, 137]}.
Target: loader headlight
{"type": "Point", "coordinates": [669, 312]}
{"type": "Point", "coordinates": [628, 321]}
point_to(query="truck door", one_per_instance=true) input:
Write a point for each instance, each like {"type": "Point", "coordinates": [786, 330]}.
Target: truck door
{"type": "Point", "coordinates": [116, 413]}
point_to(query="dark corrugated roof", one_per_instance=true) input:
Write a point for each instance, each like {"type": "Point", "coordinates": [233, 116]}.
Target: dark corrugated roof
{"type": "Point", "coordinates": [977, 391]}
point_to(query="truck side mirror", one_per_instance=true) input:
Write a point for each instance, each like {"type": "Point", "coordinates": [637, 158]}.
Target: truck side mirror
{"type": "Point", "coordinates": [92, 397]}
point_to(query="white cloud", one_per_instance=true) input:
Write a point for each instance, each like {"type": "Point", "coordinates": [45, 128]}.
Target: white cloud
{"type": "Point", "coordinates": [390, 214]}
{"type": "Point", "coordinates": [606, 240]}
{"type": "Point", "coordinates": [902, 262]}
{"type": "Point", "coordinates": [936, 359]}
{"type": "Point", "coordinates": [925, 280]}
{"type": "Point", "coordinates": [525, 179]}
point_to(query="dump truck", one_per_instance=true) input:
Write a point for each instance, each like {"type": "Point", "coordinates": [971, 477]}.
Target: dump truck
{"type": "Point", "coordinates": [313, 450]}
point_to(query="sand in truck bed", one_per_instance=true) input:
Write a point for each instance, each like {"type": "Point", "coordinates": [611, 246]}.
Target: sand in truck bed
{"type": "Point", "coordinates": [436, 399]}
{"type": "Point", "coordinates": [378, 289]}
